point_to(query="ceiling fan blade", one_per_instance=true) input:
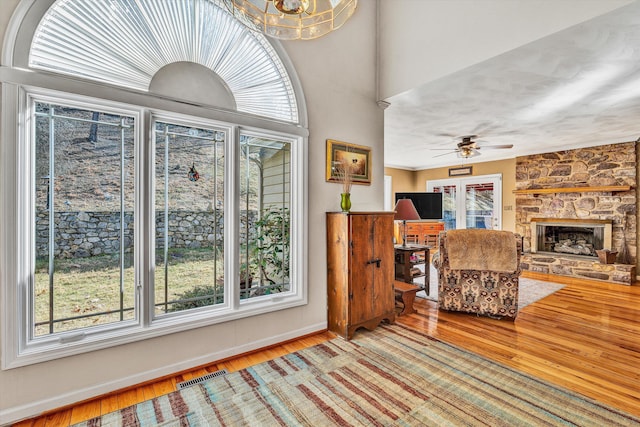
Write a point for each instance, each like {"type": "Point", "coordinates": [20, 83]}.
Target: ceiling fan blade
{"type": "Point", "coordinates": [497, 146]}
{"type": "Point", "coordinates": [443, 154]}
{"type": "Point", "coordinates": [483, 127]}
{"type": "Point", "coordinates": [445, 134]}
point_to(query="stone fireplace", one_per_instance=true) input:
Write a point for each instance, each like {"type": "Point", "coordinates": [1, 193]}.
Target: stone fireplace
{"type": "Point", "coordinates": [571, 203]}
{"type": "Point", "coordinates": [570, 236]}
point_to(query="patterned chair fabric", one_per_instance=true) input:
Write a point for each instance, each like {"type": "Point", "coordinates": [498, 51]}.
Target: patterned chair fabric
{"type": "Point", "coordinates": [484, 292]}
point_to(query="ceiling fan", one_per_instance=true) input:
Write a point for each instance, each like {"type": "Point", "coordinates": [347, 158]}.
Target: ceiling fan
{"type": "Point", "coordinates": [468, 147]}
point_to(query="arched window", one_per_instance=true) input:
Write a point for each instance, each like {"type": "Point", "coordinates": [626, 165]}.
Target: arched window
{"type": "Point", "coordinates": [126, 44]}
{"type": "Point", "coordinates": [157, 168]}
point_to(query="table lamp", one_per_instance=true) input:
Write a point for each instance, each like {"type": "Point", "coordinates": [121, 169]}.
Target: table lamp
{"type": "Point", "coordinates": [405, 211]}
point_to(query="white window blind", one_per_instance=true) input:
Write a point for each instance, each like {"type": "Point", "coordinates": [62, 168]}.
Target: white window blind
{"type": "Point", "coordinates": [125, 43]}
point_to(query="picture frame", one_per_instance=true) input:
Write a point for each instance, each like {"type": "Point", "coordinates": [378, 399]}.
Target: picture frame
{"type": "Point", "coordinates": [359, 155]}
{"type": "Point", "coordinates": [461, 171]}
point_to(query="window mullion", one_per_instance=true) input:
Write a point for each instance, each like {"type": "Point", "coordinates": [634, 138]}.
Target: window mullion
{"type": "Point", "coordinates": [122, 214]}
{"type": "Point", "coordinates": [165, 231]}
{"type": "Point", "coordinates": [231, 218]}
{"type": "Point", "coordinates": [145, 181]}
{"type": "Point", "coordinates": [52, 224]}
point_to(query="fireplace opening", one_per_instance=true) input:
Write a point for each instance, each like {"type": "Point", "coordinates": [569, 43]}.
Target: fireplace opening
{"type": "Point", "coordinates": [571, 240]}
{"type": "Point", "coordinates": [570, 236]}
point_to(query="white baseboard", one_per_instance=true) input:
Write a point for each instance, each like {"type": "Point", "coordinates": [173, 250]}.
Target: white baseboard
{"type": "Point", "coordinates": [33, 409]}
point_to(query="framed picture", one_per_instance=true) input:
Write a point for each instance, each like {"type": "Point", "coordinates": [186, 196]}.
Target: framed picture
{"type": "Point", "coordinates": [358, 156]}
{"type": "Point", "coordinates": [463, 170]}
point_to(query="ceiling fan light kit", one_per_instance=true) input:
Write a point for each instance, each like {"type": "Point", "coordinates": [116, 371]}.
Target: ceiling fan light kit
{"type": "Point", "coordinates": [466, 152]}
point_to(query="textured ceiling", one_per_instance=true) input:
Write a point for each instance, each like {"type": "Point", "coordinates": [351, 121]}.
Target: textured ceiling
{"type": "Point", "coordinates": [576, 88]}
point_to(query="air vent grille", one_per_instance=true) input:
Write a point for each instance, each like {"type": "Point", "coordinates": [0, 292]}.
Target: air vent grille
{"type": "Point", "coordinates": [201, 379]}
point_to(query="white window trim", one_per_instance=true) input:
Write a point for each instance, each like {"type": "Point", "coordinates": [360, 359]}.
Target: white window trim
{"type": "Point", "coordinates": [16, 236]}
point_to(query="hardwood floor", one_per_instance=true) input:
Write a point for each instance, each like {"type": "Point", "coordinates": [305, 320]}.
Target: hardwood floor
{"type": "Point", "coordinates": [584, 337]}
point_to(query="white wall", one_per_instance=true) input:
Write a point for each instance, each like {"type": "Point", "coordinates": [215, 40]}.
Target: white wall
{"type": "Point", "coordinates": [421, 41]}
{"type": "Point", "coordinates": [338, 77]}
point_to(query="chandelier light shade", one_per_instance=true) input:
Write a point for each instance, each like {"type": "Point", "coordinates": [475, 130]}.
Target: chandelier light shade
{"type": "Point", "coordinates": [405, 211]}
{"type": "Point", "coordinates": [292, 19]}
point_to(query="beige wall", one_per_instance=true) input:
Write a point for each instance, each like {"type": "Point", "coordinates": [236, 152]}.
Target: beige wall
{"type": "Point", "coordinates": [341, 104]}
{"type": "Point", "coordinates": [401, 180]}
{"type": "Point", "coordinates": [404, 180]}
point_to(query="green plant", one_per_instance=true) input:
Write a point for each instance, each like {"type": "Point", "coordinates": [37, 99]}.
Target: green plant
{"type": "Point", "coordinates": [272, 249]}
{"type": "Point", "coordinates": [198, 296]}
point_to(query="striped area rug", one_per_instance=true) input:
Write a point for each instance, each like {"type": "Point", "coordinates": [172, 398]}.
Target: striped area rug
{"type": "Point", "coordinates": [392, 376]}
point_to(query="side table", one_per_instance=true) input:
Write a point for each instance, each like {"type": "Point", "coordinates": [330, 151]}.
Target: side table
{"type": "Point", "coordinates": [406, 293]}
{"type": "Point", "coordinates": [412, 263]}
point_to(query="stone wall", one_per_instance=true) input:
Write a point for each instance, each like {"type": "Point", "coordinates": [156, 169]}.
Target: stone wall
{"type": "Point", "coordinates": [84, 234]}
{"type": "Point", "coordinates": [605, 165]}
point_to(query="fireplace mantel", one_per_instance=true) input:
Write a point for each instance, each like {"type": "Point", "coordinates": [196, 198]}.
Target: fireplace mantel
{"type": "Point", "coordinates": [572, 220]}
{"type": "Point", "coordinates": [599, 189]}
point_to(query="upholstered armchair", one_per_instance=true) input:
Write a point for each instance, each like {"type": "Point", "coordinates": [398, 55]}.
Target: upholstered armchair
{"type": "Point", "coordinates": [478, 271]}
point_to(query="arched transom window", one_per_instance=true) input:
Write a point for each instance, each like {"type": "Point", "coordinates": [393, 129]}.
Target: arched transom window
{"type": "Point", "coordinates": [126, 43]}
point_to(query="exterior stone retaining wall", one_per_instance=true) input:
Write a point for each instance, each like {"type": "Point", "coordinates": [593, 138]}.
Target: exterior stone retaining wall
{"type": "Point", "coordinates": [84, 234]}
{"type": "Point", "coordinates": [605, 165]}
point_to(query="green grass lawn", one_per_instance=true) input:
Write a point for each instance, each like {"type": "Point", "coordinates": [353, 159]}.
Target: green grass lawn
{"type": "Point", "coordinates": [87, 286]}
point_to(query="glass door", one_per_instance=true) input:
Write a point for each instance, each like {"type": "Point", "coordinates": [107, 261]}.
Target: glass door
{"type": "Point", "coordinates": [473, 202]}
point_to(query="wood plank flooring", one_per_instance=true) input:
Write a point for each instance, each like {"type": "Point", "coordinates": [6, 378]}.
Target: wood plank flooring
{"type": "Point", "coordinates": [585, 337]}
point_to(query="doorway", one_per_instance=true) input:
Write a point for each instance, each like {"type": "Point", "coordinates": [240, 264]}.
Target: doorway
{"type": "Point", "coordinates": [473, 202]}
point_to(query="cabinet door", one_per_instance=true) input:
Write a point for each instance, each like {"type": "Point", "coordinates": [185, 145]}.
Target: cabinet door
{"type": "Point", "coordinates": [383, 295]}
{"type": "Point", "coordinates": [371, 267]}
{"type": "Point", "coordinates": [362, 269]}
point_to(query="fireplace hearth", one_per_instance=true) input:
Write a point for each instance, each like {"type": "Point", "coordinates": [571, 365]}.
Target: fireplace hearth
{"type": "Point", "coordinates": [570, 236]}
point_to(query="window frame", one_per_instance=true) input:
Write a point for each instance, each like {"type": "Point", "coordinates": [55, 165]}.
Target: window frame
{"type": "Point", "coordinates": [31, 98]}
{"type": "Point", "coordinates": [16, 265]}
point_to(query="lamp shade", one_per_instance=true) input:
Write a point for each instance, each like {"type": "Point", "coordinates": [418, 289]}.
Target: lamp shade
{"type": "Point", "coordinates": [406, 211]}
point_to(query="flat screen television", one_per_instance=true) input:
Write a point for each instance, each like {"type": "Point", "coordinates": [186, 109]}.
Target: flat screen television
{"type": "Point", "coordinates": [428, 205]}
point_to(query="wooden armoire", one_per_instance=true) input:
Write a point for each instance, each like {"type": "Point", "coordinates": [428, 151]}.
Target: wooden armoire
{"type": "Point", "coordinates": [360, 271]}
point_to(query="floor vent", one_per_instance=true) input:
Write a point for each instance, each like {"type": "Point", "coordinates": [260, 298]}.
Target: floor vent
{"type": "Point", "coordinates": [201, 379]}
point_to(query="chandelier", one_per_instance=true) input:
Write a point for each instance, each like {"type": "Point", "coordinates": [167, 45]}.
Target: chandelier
{"type": "Point", "coordinates": [292, 19]}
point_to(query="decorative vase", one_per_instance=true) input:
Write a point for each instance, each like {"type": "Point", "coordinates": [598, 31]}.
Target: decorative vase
{"type": "Point", "coordinates": [345, 202]}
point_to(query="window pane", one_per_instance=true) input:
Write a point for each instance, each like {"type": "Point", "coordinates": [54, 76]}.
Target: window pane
{"type": "Point", "coordinates": [448, 205]}
{"type": "Point", "coordinates": [189, 205]}
{"type": "Point", "coordinates": [84, 219]}
{"type": "Point", "coordinates": [479, 205]}
{"type": "Point", "coordinates": [264, 216]}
